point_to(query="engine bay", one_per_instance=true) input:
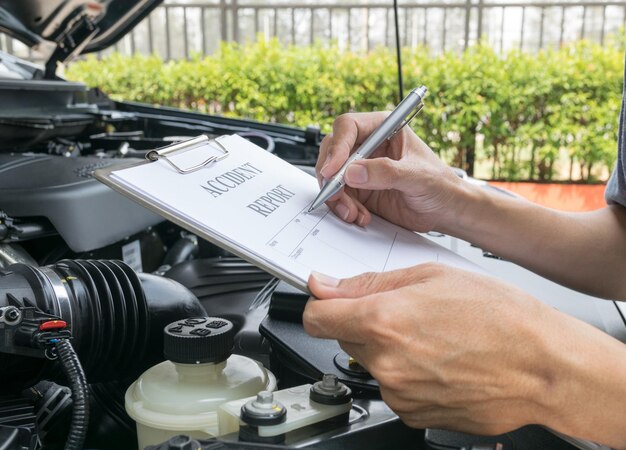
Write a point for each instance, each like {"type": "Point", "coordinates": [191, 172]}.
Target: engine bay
{"type": "Point", "coordinates": [74, 252]}
{"type": "Point", "coordinates": [121, 330]}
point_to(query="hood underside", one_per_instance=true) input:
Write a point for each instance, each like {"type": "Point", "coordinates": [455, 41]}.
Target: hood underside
{"type": "Point", "coordinates": [76, 26]}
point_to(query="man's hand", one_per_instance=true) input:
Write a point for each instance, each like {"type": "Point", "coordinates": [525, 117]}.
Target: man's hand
{"type": "Point", "coordinates": [449, 348]}
{"type": "Point", "coordinates": [404, 181]}
{"type": "Point", "coordinates": [457, 350]}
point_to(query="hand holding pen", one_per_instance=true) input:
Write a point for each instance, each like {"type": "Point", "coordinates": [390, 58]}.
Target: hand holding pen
{"type": "Point", "coordinates": [403, 182]}
{"type": "Point", "coordinates": [406, 110]}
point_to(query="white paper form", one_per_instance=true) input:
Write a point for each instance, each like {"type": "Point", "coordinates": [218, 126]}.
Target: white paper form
{"type": "Point", "coordinates": [254, 201]}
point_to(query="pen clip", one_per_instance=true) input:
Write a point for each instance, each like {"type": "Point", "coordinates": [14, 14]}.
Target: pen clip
{"type": "Point", "coordinates": [406, 121]}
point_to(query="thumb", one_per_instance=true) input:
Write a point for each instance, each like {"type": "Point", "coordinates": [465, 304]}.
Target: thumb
{"type": "Point", "coordinates": [324, 287]}
{"type": "Point", "coordinates": [380, 174]}
{"type": "Point", "coordinates": [339, 318]}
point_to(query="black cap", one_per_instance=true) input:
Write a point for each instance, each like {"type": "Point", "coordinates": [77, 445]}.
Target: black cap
{"type": "Point", "coordinates": [198, 340]}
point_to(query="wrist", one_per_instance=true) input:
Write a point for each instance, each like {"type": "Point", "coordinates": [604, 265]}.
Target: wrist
{"type": "Point", "coordinates": [584, 393]}
{"type": "Point", "coordinates": [535, 371]}
{"type": "Point", "coordinates": [463, 212]}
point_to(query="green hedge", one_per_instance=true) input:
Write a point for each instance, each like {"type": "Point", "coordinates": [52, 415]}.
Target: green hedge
{"type": "Point", "coordinates": [518, 116]}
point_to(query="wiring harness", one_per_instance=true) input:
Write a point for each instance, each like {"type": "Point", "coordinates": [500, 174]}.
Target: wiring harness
{"type": "Point", "coordinates": [80, 394]}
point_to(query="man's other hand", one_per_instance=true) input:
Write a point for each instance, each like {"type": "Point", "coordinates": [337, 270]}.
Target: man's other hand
{"type": "Point", "coordinates": [450, 348]}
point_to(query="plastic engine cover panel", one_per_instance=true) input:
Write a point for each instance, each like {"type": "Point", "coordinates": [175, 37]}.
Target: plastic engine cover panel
{"type": "Point", "coordinates": [86, 213]}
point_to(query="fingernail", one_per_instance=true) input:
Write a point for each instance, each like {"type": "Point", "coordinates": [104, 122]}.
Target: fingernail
{"type": "Point", "coordinates": [361, 219]}
{"type": "Point", "coordinates": [326, 280]}
{"type": "Point", "coordinates": [343, 211]}
{"type": "Point", "coordinates": [356, 173]}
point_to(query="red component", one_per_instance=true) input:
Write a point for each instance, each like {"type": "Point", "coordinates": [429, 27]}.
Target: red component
{"type": "Point", "coordinates": [52, 325]}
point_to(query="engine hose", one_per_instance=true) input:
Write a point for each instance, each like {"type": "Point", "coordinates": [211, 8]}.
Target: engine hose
{"type": "Point", "coordinates": [80, 395]}
{"type": "Point", "coordinates": [115, 315]}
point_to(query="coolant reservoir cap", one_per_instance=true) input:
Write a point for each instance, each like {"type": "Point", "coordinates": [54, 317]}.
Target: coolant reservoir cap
{"type": "Point", "coordinates": [198, 340]}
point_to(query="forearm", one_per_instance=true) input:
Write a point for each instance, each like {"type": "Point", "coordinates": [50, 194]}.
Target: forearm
{"type": "Point", "coordinates": [585, 251]}
{"type": "Point", "coordinates": [585, 395]}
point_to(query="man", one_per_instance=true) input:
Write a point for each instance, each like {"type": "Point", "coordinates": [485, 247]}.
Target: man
{"type": "Point", "coordinates": [458, 350]}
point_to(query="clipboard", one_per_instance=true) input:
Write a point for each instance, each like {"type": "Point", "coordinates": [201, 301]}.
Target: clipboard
{"type": "Point", "coordinates": [283, 238]}
{"type": "Point", "coordinates": [165, 153]}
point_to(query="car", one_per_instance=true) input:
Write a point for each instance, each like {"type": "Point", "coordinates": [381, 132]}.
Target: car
{"type": "Point", "coordinates": [77, 247]}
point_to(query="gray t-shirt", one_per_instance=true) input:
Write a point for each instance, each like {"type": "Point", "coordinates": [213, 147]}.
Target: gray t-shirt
{"type": "Point", "coordinates": [616, 187]}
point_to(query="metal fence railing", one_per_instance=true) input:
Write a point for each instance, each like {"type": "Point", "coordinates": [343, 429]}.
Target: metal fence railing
{"type": "Point", "coordinates": [183, 30]}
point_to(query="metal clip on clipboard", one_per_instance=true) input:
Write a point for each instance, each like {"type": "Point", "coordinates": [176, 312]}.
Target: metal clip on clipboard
{"type": "Point", "coordinates": [163, 153]}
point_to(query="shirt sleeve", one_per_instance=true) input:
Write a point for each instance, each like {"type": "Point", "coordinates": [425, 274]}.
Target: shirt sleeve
{"type": "Point", "coordinates": [615, 192]}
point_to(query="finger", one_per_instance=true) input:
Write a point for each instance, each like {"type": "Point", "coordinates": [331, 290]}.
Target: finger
{"type": "Point", "coordinates": [349, 130]}
{"type": "Point", "coordinates": [364, 217]}
{"type": "Point", "coordinates": [339, 318]}
{"type": "Point", "coordinates": [323, 286]}
{"type": "Point", "coordinates": [382, 173]}
{"type": "Point", "coordinates": [349, 209]}
{"type": "Point", "coordinates": [322, 155]}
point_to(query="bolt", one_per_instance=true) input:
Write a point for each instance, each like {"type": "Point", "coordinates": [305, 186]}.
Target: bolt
{"type": "Point", "coordinates": [263, 410]}
{"type": "Point", "coordinates": [264, 398]}
{"type": "Point", "coordinates": [181, 442]}
{"type": "Point", "coordinates": [354, 364]}
{"type": "Point", "coordinates": [330, 391]}
{"type": "Point", "coordinates": [12, 314]}
{"type": "Point", "coordinates": [329, 381]}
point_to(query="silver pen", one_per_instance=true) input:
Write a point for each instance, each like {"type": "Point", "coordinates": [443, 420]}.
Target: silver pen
{"type": "Point", "coordinates": [408, 108]}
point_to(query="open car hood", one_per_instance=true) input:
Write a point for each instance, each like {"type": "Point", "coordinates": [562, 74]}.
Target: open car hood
{"type": "Point", "coordinates": [64, 28]}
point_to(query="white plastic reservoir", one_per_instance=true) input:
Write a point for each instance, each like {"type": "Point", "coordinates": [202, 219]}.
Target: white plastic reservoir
{"type": "Point", "coordinates": [182, 395]}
